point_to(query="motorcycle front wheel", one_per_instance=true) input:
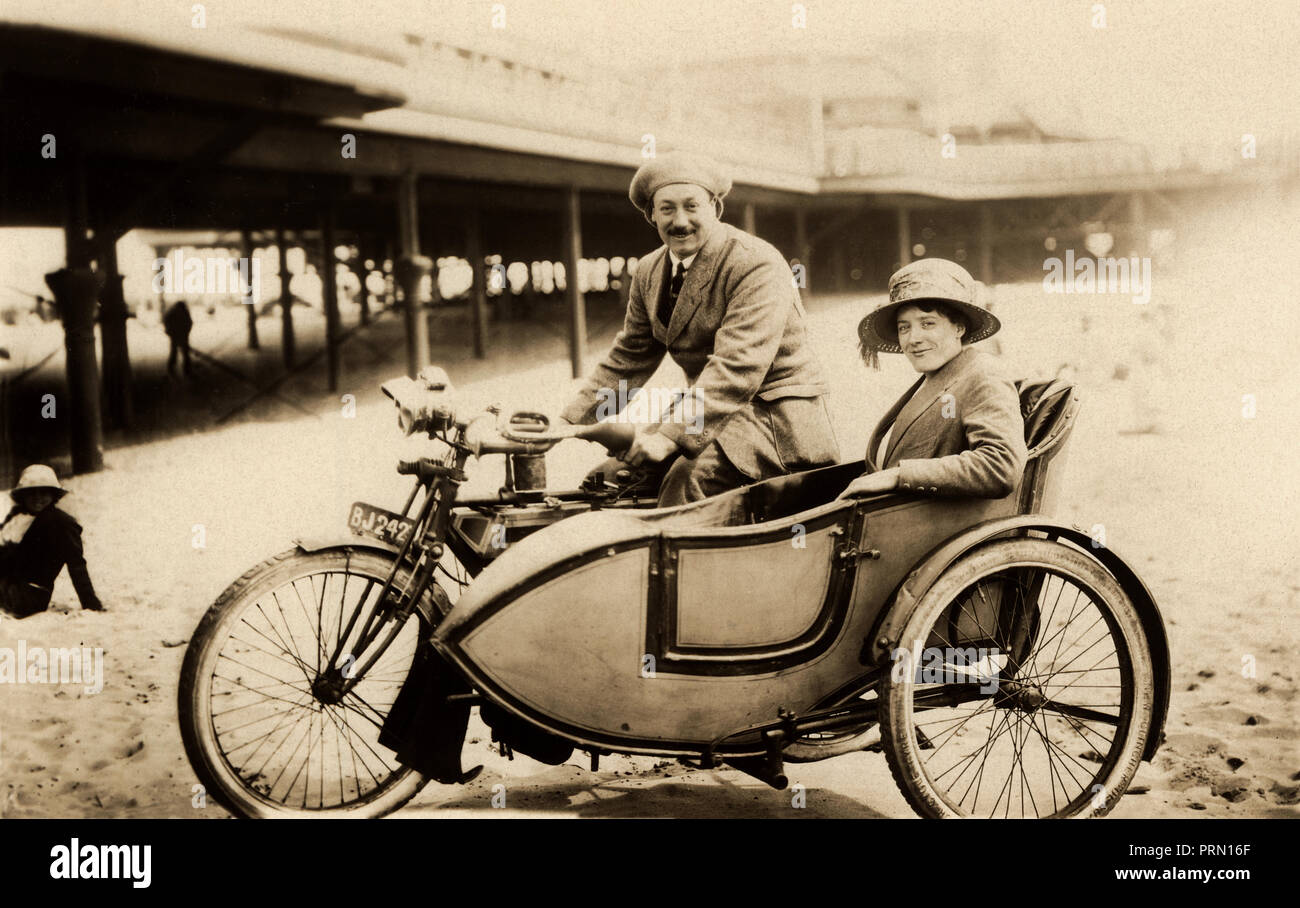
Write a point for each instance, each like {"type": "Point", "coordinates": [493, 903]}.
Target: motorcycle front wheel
{"type": "Point", "coordinates": [262, 739]}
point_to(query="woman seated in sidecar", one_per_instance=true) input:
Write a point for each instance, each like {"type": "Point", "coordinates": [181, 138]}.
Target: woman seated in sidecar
{"type": "Point", "coordinates": [959, 429]}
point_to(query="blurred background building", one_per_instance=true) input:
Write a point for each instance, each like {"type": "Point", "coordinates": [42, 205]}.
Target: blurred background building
{"type": "Point", "coordinates": [438, 165]}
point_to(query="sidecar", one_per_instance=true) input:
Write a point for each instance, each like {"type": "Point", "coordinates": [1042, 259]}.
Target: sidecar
{"type": "Point", "coordinates": [778, 622]}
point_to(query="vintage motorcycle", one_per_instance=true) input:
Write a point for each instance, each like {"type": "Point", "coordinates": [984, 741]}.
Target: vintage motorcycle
{"type": "Point", "coordinates": [1006, 663]}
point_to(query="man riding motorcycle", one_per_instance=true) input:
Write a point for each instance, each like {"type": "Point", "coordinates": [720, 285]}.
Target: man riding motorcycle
{"type": "Point", "coordinates": [723, 305]}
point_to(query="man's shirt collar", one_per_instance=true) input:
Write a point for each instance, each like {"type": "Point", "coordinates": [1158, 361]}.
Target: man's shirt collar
{"type": "Point", "coordinates": [686, 262]}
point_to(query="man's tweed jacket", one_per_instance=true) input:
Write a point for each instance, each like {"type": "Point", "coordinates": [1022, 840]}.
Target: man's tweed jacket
{"type": "Point", "coordinates": [737, 331]}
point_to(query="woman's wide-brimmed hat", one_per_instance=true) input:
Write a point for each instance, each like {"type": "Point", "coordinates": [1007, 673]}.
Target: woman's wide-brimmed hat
{"type": "Point", "coordinates": [39, 476]}
{"type": "Point", "coordinates": [933, 280]}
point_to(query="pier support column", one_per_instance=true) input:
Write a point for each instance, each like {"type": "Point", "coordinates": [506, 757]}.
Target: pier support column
{"type": "Point", "coordinates": [250, 304]}
{"type": "Point", "coordinates": [573, 293]}
{"type": "Point", "coordinates": [410, 270]}
{"type": "Point", "coordinates": [76, 290]}
{"type": "Point", "coordinates": [904, 236]}
{"type": "Point", "coordinates": [478, 289]}
{"type": "Point", "coordinates": [286, 301]}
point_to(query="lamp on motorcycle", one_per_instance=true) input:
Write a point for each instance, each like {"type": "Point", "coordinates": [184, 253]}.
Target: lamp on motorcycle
{"type": "Point", "coordinates": [423, 404]}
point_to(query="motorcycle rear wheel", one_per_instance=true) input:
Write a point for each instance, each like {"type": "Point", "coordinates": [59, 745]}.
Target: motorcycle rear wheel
{"type": "Point", "coordinates": [261, 742]}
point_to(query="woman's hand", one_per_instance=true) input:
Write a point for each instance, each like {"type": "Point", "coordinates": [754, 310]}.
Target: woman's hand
{"type": "Point", "coordinates": [872, 484]}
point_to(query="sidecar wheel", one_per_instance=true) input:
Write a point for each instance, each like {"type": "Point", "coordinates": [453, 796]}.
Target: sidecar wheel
{"type": "Point", "coordinates": [1027, 691]}
{"type": "Point", "coordinates": [259, 739]}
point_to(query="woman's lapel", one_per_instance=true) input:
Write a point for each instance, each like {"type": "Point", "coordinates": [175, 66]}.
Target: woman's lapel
{"type": "Point", "coordinates": [947, 376]}
{"type": "Point", "coordinates": [886, 421]}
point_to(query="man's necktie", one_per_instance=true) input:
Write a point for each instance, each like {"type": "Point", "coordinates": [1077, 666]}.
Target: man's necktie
{"type": "Point", "coordinates": [674, 288]}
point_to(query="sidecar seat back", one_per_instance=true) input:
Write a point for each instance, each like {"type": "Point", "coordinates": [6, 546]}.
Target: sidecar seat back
{"type": "Point", "coordinates": [1049, 409]}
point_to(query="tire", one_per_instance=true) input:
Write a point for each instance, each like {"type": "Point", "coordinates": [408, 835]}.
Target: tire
{"type": "Point", "coordinates": [1051, 719]}
{"type": "Point", "coordinates": [247, 634]}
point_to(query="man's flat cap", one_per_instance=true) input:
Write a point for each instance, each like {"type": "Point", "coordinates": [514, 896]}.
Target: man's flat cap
{"type": "Point", "coordinates": [676, 167]}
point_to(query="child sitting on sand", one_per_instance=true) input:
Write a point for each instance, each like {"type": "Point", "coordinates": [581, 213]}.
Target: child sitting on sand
{"type": "Point", "coordinates": [36, 541]}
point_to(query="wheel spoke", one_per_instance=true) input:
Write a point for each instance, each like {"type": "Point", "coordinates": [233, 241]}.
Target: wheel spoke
{"type": "Point", "coordinates": [1080, 712]}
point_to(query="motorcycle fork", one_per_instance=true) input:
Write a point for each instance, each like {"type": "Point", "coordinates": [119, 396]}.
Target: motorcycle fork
{"type": "Point", "coordinates": [394, 606]}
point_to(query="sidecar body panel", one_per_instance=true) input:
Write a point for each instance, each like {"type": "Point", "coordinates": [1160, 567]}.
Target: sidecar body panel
{"type": "Point", "coordinates": [784, 586]}
{"type": "Point", "coordinates": [661, 631]}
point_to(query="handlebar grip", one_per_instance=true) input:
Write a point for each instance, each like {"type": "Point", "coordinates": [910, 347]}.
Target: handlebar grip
{"type": "Point", "coordinates": [421, 467]}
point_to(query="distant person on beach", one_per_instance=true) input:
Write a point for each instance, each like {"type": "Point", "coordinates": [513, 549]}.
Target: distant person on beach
{"type": "Point", "coordinates": [36, 541]}
{"type": "Point", "coordinates": [177, 323]}
{"type": "Point", "coordinates": [1142, 367]}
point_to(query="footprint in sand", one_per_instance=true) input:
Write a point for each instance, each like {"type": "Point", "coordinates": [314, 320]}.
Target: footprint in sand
{"type": "Point", "coordinates": [1232, 790]}
{"type": "Point", "coordinates": [1193, 744]}
{"type": "Point", "coordinates": [1284, 794]}
{"type": "Point", "coordinates": [1230, 714]}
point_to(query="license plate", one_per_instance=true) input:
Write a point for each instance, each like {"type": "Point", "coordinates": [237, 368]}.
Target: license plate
{"type": "Point", "coordinates": [377, 523]}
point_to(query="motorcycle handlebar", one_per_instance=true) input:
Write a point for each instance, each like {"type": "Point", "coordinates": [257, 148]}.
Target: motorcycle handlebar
{"type": "Point", "coordinates": [615, 437]}
{"type": "Point", "coordinates": [426, 404]}
{"type": "Point", "coordinates": [481, 436]}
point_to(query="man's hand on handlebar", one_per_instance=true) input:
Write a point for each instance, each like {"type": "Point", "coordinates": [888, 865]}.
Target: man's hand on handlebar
{"type": "Point", "coordinates": [649, 446]}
